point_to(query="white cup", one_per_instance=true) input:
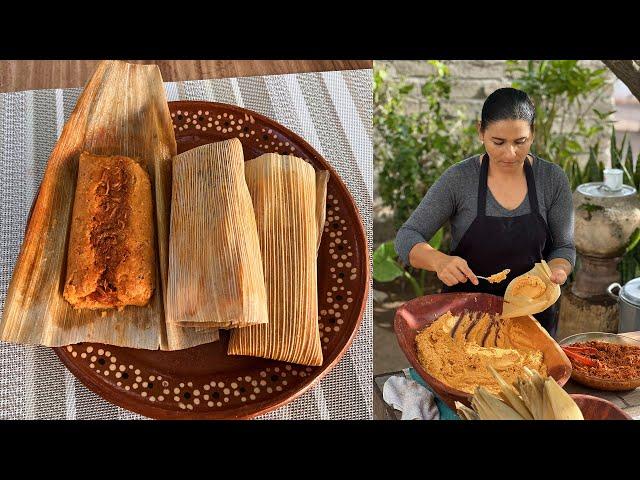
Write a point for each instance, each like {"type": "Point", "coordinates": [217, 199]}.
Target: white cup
{"type": "Point", "coordinates": [613, 179]}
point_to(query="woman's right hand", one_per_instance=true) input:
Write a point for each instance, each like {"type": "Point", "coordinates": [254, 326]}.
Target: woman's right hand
{"type": "Point", "coordinates": [452, 270]}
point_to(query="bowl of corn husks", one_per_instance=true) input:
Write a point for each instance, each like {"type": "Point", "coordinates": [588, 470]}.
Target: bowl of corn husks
{"type": "Point", "coordinates": [536, 398]}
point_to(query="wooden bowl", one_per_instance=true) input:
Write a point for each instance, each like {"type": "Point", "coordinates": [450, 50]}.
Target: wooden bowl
{"type": "Point", "coordinates": [204, 382]}
{"type": "Point", "coordinates": [421, 312]}
{"type": "Point", "coordinates": [599, 383]}
{"type": "Point", "coordinates": [594, 408]}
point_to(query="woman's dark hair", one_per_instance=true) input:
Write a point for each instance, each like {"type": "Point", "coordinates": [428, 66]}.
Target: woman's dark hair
{"type": "Point", "coordinates": [507, 104]}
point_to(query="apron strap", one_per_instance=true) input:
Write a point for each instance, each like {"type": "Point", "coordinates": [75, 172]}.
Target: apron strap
{"type": "Point", "coordinates": [482, 186]}
{"type": "Point", "coordinates": [531, 187]}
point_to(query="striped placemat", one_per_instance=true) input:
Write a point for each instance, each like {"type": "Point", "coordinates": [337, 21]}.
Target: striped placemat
{"type": "Point", "coordinates": [330, 110]}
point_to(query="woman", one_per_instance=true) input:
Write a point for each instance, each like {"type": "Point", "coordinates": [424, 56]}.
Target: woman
{"type": "Point", "coordinates": [507, 209]}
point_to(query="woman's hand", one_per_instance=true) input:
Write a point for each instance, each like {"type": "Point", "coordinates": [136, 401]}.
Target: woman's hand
{"type": "Point", "coordinates": [453, 270]}
{"type": "Point", "coordinates": [558, 275]}
{"type": "Point", "coordinates": [560, 270]}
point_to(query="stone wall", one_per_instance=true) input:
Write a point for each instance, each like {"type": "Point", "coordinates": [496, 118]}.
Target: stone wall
{"type": "Point", "coordinates": [472, 82]}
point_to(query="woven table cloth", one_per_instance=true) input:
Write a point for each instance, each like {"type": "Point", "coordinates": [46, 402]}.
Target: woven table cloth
{"type": "Point", "coordinates": [332, 111]}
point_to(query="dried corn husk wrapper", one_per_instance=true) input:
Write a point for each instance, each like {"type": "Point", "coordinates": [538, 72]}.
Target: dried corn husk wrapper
{"type": "Point", "coordinates": [531, 397]}
{"type": "Point", "coordinates": [530, 293]}
{"type": "Point", "coordinates": [289, 203]}
{"type": "Point", "coordinates": [215, 264]}
{"type": "Point", "coordinates": [122, 111]}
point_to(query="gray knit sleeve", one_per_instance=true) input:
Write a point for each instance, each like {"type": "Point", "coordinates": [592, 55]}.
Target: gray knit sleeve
{"type": "Point", "coordinates": [560, 218]}
{"type": "Point", "coordinates": [437, 206]}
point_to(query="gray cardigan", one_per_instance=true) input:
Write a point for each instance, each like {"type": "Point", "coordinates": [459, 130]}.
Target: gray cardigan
{"type": "Point", "coordinates": [454, 197]}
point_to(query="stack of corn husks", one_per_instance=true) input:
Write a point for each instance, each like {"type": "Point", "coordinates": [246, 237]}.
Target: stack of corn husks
{"type": "Point", "coordinates": [533, 398]}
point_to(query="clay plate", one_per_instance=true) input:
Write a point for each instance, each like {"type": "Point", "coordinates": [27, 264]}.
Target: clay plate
{"type": "Point", "coordinates": [421, 312]}
{"type": "Point", "coordinates": [594, 408]}
{"type": "Point", "coordinates": [597, 382]}
{"type": "Point", "coordinates": [203, 382]}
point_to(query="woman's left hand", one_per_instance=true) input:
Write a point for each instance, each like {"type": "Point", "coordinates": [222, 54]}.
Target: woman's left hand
{"type": "Point", "coordinates": [558, 275]}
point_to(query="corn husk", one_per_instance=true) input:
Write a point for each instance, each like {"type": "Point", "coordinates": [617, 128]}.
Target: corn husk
{"type": "Point", "coordinates": [531, 396]}
{"type": "Point", "coordinates": [558, 404]}
{"type": "Point", "coordinates": [518, 305]}
{"type": "Point", "coordinates": [466, 412]}
{"type": "Point", "coordinates": [491, 407]}
{"type": "Point", "coordinates": [511, 396]}
{"type": "Point", "coordinates": [534, 398]}
{"type": "Point", "coordinates": [215, 264]}
{"type": "Point", "coordinates": [287, 194]}
{"type": "Point", "coordinates": [122, 111]}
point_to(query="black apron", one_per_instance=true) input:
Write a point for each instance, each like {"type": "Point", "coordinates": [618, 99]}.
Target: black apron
{"type": "Point", "coordinates": [492, 244]}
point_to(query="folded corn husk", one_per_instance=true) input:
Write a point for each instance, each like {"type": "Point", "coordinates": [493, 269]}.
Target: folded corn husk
{"type": "Point", "coordinates": [122, 111]}
{"type": "Point", "coordinates": [289, 203]}
{"type": "Point", "coordinates": [516, 305]}
{"type": "Point", "coordinates": [560, 402]}
{"type": "Point", "coordinates": [491, 407]}
{"type": "Point", "coordinates": [511, 396]}
{"type": "Point", "coordinates": [534, 398]}
{"type": "Point", "coordinates": [215, 264]}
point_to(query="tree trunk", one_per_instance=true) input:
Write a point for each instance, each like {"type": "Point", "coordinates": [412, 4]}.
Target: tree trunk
{"type": "Point", "coordinates": [628, 71]}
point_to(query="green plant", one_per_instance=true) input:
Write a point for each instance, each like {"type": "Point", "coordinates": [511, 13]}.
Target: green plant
{"type": "Point", "coordinates": [412, 149]}
{"type": "Point", "coordinates": [622, 157]}
{"type": "Point", "coordinates": [567, 124]}
{"type": "Point", "coordinates": [387, 268]}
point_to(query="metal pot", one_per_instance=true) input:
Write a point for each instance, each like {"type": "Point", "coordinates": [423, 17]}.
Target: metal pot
{"type": "Point", "coordinates": [628, 298]}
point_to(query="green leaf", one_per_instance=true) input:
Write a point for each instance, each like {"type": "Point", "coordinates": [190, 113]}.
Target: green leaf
{"type": "Point", "coordinates": [593, 173]}
{"type": "Point", "coordinates": [436, 240]}
{"type": "Point", "coordinates": [405, 89]}
{"type": "Point", "coordinates": [628, 267]}
{"type": "Point", "coordinates": [629, 166]}
{"type": "Point", "coordinates": [603, 115]}
{"type": "Point", "coordinates": [385, 268]}
{"type": "Point", "coordinates": [636, 173]}
{"type": "Point", "coordinates": [633, 241]}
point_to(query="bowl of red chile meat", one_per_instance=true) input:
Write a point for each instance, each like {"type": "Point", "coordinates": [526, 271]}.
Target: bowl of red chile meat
{"type": "Point", "coordinates": [604, 361]}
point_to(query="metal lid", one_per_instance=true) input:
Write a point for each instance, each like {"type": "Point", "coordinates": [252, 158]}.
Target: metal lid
{"type": "Point", "coordinates": [600, 190]}
{"type": "Point", "coordinates": [631, 292]}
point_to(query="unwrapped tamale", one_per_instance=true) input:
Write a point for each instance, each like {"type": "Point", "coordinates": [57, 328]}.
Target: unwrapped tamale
{"type": "Point", "coordinates": [110, 261]}
{"type": "Point", "coordinates": [288, 199]}
{"type": "Point", "coordinates": [215, 265]}
{"type": "Point", "coordinates": [122, 111]}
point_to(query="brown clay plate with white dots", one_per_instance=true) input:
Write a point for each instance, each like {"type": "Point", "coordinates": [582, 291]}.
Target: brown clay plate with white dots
{"type": "Point", "coordinates": [205, 382]}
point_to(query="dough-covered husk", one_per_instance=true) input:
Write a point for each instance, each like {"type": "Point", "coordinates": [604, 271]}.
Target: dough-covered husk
{"type": "Point", "coordinates": [516, 305]}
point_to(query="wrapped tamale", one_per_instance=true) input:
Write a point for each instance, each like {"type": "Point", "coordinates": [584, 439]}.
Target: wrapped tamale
{"type": "Point", "coordinates": [110, 260]}
{"type": "Point", "coordinates": [215, 265]}
{"type": "Point", "coordinates": [288, 199]}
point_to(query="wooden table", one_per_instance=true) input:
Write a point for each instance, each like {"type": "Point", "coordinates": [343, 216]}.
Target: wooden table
{"type": "Point", "coordinates": [16, 75]}
{"type": "Point", "coordinates": [627, 401]}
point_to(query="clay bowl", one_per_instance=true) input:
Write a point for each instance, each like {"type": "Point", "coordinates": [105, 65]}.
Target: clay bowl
{"type": "Point", "coordinates": [419, 313]}
{"type": "Point", "coordinates": [597, 382]}
{"type": "Point", "coordinates": [594, 408]}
